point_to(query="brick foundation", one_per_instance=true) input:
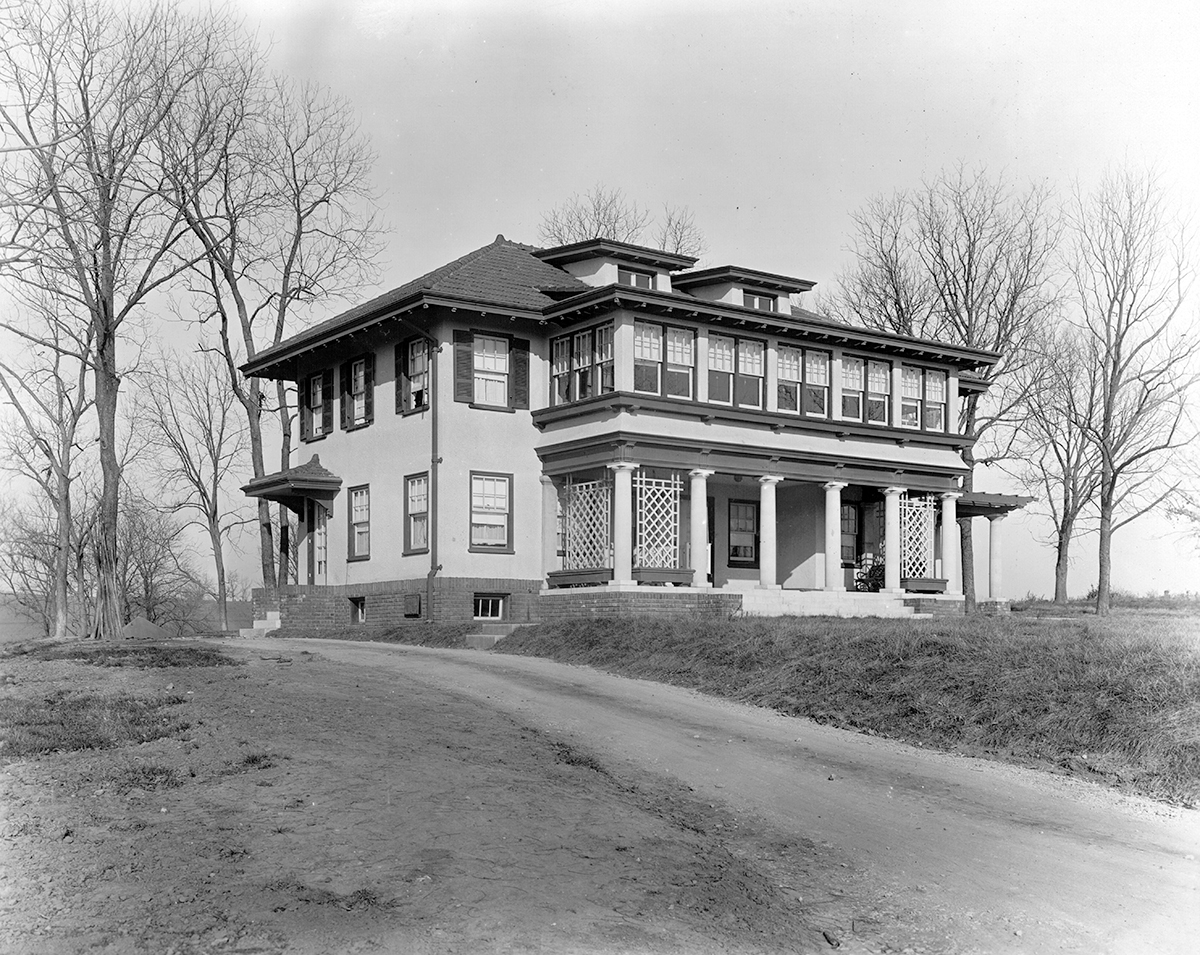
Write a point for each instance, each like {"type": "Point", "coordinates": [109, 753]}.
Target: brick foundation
{"type": "Point", "coordinates": [396, 603]}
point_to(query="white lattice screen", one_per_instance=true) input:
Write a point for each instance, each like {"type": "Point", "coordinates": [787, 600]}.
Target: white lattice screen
{"type": "Point", "coordinates": [587, 525]}
{"type": "Point", "coordinates": [918, 517]}
{"type": "Point", "coordinates": [657, 506]}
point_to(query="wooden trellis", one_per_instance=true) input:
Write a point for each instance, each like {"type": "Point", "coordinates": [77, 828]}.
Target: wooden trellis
{"type": "Point", "coordinates": [656, 503]}
{"type": "Point", "coordinates": [918, 518]}
{"type": "Point", "coordinates": [587, 524]}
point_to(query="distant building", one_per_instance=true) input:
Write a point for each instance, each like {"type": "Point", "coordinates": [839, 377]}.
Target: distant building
{"type": "Point", "coordinates": [526, 434]}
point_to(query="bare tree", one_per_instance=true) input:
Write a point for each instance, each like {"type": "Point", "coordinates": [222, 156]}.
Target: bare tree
{"type": "Point", "coordinates": [277, 193]}
{"type": "Point", "coordinates": [966, 261]}
{"type": "Point", "coordinates": [678, 233]}
{"type": "Point", "coordinates": [1056, 461]}
{"type": "Point", "coordinates": [87, 88]}
{"type": "Point", "coordinates": [200, 441]}
{"type": "Point", "coordinates": [604, 213]}
{"type": "Point", "coordinates": [49, 395]}
{"type": "Point", "coordinates": [1131, 277]}
{"type": "Point", "coordinates": [28, 562]}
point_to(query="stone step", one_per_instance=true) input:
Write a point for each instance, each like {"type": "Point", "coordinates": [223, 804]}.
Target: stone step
{"type": "Point", "coordinates": [488, 635]}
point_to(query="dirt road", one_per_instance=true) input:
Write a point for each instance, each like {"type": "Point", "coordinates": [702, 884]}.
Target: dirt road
{"type": "Point", "coordinates": [330, 797]}
{"type": "Point", "coordinates": [966, 855]}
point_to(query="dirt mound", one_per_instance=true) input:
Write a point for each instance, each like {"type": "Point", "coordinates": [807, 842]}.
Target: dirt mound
{"type": "Point", "coordinates": [139, 628]}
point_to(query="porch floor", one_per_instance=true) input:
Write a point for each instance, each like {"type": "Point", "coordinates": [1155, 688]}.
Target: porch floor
{"type": "Point", "coordinates": [824, 603]}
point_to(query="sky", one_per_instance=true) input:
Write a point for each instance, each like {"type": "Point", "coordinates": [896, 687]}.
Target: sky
{"type": "Point", "coordinates": [772, 121]}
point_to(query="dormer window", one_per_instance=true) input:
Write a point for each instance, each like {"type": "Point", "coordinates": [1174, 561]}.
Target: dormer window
{"type": "Point", "coordinates": [634, 278]}
{"type": "Point", "coordinates": [761, 301]}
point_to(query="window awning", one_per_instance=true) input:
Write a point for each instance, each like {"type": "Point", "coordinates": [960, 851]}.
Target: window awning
{"type": "Point", "coordinates": [979, 504]}
{"type": "Point", "coordinates": [291, 488]}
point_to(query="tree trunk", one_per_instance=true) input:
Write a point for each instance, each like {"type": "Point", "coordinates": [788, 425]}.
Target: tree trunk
{"type": "Point", "coordinates": [62, 558]}
{"type": "Point", "coordinates": [214, 535]}
{"type": "Point", "coordinates": [285, 459]}
{"type": "Point", "coordinates": [266, 539]}
{"type": "Point", "coordinates": [1062, 561]}
{"type": "Point", "coordinates": [108, 620]}
{"type": "Point", "coordinates": [1103, 587]}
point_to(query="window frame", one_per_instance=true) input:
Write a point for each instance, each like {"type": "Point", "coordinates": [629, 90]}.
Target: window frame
{"type": "Point", "coordinates": [885, 397]}
{"type": "Point", "coordinates": [478, 375]}
{"type": "Point", "coordinates": [500, 601]}
{"type": "Point", "coordinates": [737, 376]}
{"type": "Point", "coordinates": [804, 384]}
{"type": "Point", "coordinates": [752, 299]}
{"type": "Point", "coordinates": [320, 416]}
{"type": "Point", "coordinates": [507, 546]}
{"type": "Point", "coordinates": [854, 510]}
{"type": "Point", "coordinates": [849, 390]}
{"type": "Point", "coordinates": [922, 402]}
{"type": "Point", "coordinates": [410, 515]}
{"type": "Point", "coordinates": [624, 271]}
{"type": "Point", "coordinates": [742, 562]}
{"type": "Point", "coordinates": [352, 525]}
{"type": "Point", "coordinates": [518, 375]}
{"type": "Point", "coordinates": [405, 376]}
{"type": "Point", "coordinates": [600, 367]}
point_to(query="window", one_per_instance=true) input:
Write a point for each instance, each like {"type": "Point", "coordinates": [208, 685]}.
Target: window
{"type": "Point", "coordinates": [316, 411]}
{"type": "Point", "coordinates": [735, 371]}
{"type": "Point", "coordinates": [358, 387]}
{"type": "Point", "coordinates": [581, 365]}
{"type": "Point", "coordinates": [923, 399]}
{"type": "Point", "coordinates": [743, 533]}
{"type": "Point", "coordinates": [488, 606]}
{"type": "Point", "coordinates": [491, 512]}
{"type": "Point", "coordinates": [360, 523]}
{"type": "Point", "coordinates": [764, 303]}
{"type": "Point", "coordinates": [634, 278]}
{"type": "Point", "coordinates": [681, 362]}
{"type": "Point", "coordinates": [491, 371]}
{"type": "Point", "coordinates": [803, 380]}
{"type": "Point", "coordinates": [852, 388]}
{"type": "Point", "coordinates": [850, 526]}
{"type": "Point", "coordinates": [416, 513]}
{"type": "Point", "coordinates": [412, 376]}
{"type": "Point", "coordinates": [935, 401]}
{"type": "Point", "coordinates": [647, 358]}
{"type": "Point", "coordinates": [879, 392]}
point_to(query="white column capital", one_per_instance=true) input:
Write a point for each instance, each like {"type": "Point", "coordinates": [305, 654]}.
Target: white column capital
{"type": "Point", "coordinates": [895, 491]}
{"type": "Point", "coordinates": [701, 473]}
{"type": "Point", "coordinates": [546, 479]}
{"type": "Point", "coordinates": [770, 479]}
{"type": "Point", "coordinates": [623, 466]}
{"type": "Point", "coordinates": [834, 485]}
{"type": "Point", "coordinates": [997, 518]}
{"type": "Point", "coordinates": [951, 495]}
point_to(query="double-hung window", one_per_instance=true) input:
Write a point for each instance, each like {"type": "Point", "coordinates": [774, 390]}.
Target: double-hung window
{"type": "Point", "coordinates": [803, 381]}
{"type": "Point", "coordinates": [316, 417]}
{"type": "Point", "coordinates": [634, 278]}
{"type": "Point", "coordinates": [743, 533]}
{"type": "Point", "coordinates": [910, 397]}
{"type": "Point", "coordinates": [681, 362]}
{"type": "Point", "coordinates": [412, 375]}
{"type": "Point", "coordinates": [760, 301]}
{"type": "Point", "coordinates": [748, 386]}
{"type": "Point", "coordinates": [853, 379]}
{"type": "Point", "coordinates": [879, 392]}
{"type": "Point", "coordinates": [721, 356]}
{"type": "Point", "coordinates": [647, 358]}
{"type": "Point", "coordinates": [416, 513]}
{"type": "Point", "coordinates": [934, 418]}
{"type": "Point", "coordinates": [560, 370]}
{"type": "Point", "coordinates": [491, 512]}
{"type": "Point", "coordinates": [581, 365]}
{"type": "Point", "coordinates": [358, 392]}
{"type": "Point", "coordinates": [317, 519]}
{"type": "Point", "coordinates": [490, 361]}
{"type": "Point", "coordinates": [923, 399]}
{"type": "Point", "coordinates": [360, 523]}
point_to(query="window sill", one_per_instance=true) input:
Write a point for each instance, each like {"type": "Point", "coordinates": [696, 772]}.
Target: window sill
{"type": "Point", "coordinates": [413, 553]}
{"type": "Point", "coordinates": [742, 565]}
{"type": "Point", "coordinates": [355, 558]}
{"type": "Point", "coordinates": [501, 408]}
{"type": "Point", "coordinates": [312, 438]}
{"type": "Point", "coordinates": [478, 549]}
{"type": "Point", "coordinates": [357, 427]}
{"type": "Point", "coordinates": [413, 411]}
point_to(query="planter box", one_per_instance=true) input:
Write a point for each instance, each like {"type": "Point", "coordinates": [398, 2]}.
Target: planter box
{"type": "Point", "coordinates": [924, 585]}
{"type": "Point", "coordinates": [663, 575]}
{"type": "Point", "coordinates": [579, 578]}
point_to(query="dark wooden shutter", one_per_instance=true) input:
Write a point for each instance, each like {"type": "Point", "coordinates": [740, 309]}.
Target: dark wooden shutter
{"type": "Point", "coordinates": [327, 401]}
{"type": "Point", "coordinates": [369, 388]}
{"type": "Point", "coordinates": [344, 394]}
{"type": "Point", "coordinates": [402, 383]}
{"type": "Point", "coordinates": [464, 366]}
{"type": "Point", "coordinates": [518, 383]}
{"type": "Point", "coordinates": [302, 397]}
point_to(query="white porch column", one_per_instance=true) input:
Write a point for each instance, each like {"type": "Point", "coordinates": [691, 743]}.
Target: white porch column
{"type": "Point", "coordinates": [623, 521]}
{"type": "Point", "coordinates": [699, 526]}
{"type": "Point", "coordinates": [950, 547]}
{"type": "Point", "coordinates": [550, 559]}
{"type": "Point", "coordinates": [891, 538]}
{"type": "Point", "coordinates": [995, 557]}
{"type": "Point", "coordinates": [767, 533]}
{"type": "Point", "coordinates": [834, 579]}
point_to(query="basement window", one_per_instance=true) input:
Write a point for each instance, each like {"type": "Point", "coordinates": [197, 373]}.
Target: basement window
{"type": "Point", "coordinates": [358, 609]}
{"type": "Point", "coordinates": [489, 607]}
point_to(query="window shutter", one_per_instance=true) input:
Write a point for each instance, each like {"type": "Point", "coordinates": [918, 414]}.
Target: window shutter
{"type": "Point", "coordinates": [369, 388]}
{"type": "Point", "coordinates": [519, 382]}
{"type": "Point", "coordinates": [302, 397]}
{"type": "Point", "coordinates": [402, 383]}
{"type": "Point", "coordinates": [464, 366]}
{"type": "Point", "coordinates": [344, 394]}
{"type": "Point", "coordinates": [327, 401]}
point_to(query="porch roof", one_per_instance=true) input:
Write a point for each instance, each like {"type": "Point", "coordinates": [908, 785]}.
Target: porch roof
{"type": "Point", "coordinates": [980, 504]}
{"type": "Point", "coordinates": [291, 488]}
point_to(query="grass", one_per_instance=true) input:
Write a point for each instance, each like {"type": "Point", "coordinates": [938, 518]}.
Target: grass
{"type": "Point", "coordinates": [1115, 700]}
{"type": "Point", "coordinates": [418, 634]}
{"type": "Point", "coordinates": [144, 656]}
{"type": "Point", "coordinates": [67, 722]}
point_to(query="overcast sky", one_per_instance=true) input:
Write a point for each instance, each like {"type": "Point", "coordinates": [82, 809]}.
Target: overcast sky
{"type": "Point", "coordinates": [772, 121]}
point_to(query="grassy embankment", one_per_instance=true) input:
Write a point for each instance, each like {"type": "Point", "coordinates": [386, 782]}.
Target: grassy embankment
{"type": "Point", "coordinates": [1114, 700]}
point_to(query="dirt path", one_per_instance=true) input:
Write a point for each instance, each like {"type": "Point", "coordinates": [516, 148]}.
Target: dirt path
{"type": "Point", "coordinates": [960, 854]}
{"type": "Point", "coordinates": [334, 797]}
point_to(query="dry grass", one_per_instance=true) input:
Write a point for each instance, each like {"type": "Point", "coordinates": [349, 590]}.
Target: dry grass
{"type": "Point", "coordinates": [1115, 700]}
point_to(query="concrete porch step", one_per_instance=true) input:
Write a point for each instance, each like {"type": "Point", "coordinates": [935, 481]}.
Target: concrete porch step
{"type": "Point", "coordinates": [488, 635]}
{"type": "Point", "coordinates": [273, 621]}
{"type": "Point", "coordinates": [778, 603]}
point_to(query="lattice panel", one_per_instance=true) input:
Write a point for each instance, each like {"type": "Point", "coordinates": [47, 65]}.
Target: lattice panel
{"type": "Point", "coordinates": [657, 503]}
{"type": "Point", "coordinates": [918, 517]}
{"type": "Point", "coordinates": [587, 525]}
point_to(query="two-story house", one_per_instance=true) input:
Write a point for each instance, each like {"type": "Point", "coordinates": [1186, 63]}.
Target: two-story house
{"type": "Point", "coordinates": [529, 433]}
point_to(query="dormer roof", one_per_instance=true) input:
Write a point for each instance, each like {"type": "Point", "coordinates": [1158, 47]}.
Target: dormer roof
{"type": "Point", "coordinates": [736, 275]}
{"type": "Point", "coordinates": [623, 251]}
